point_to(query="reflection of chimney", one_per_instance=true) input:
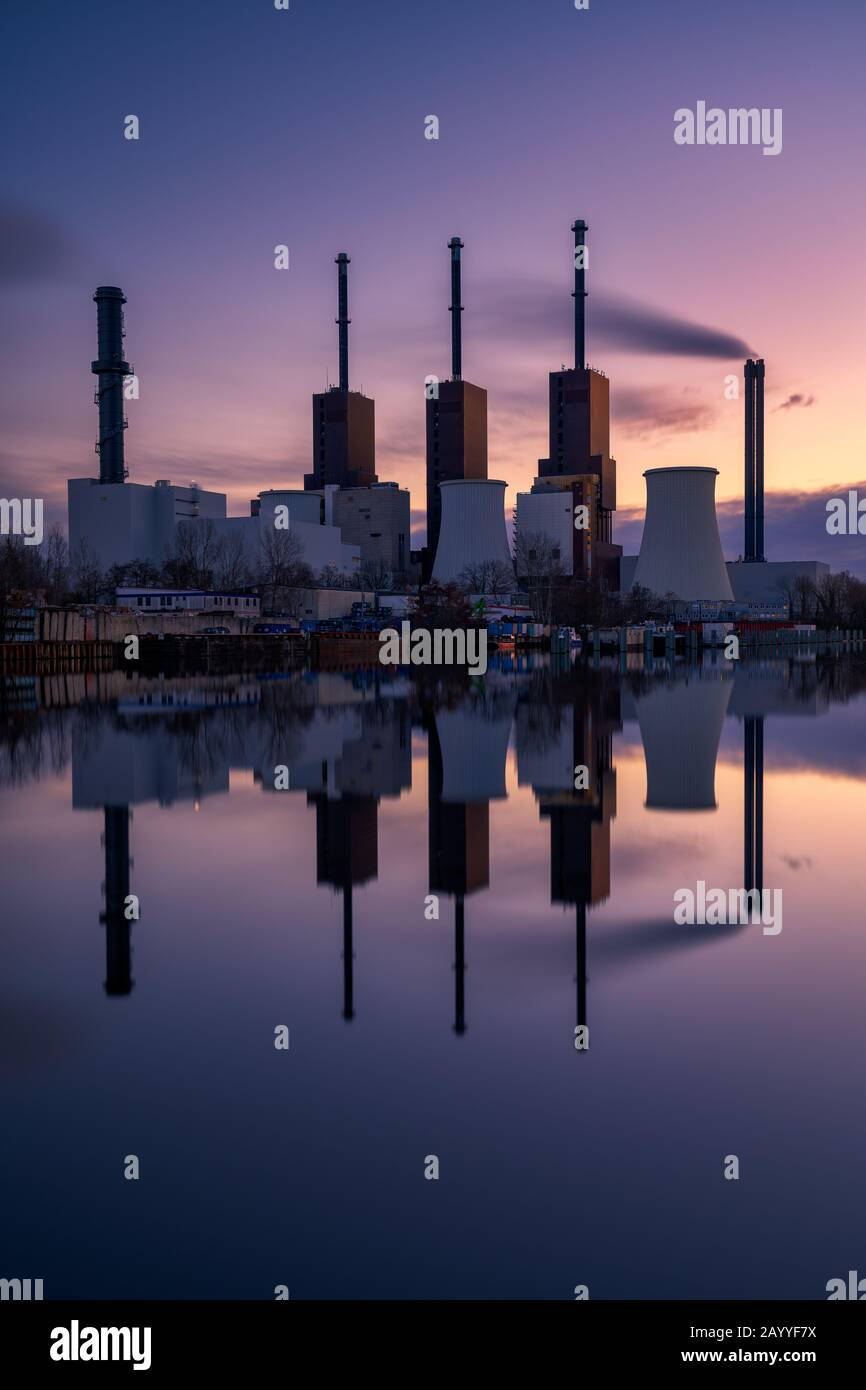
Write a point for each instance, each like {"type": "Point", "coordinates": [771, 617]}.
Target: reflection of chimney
{"type": "Point", "coordinates": [753, 807]}
{"type": "Point", "coordinates": [347, 854]}
{"type": "Point", "coordinates": [753, 373]}
{"type": "Point", "coordinates": [580, 951]}
{"type": "Point", "coordinates": [118, 951]}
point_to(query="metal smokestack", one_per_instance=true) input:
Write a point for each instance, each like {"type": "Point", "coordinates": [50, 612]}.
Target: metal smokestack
{"type": "Point", "coordinates": [110, 369]}
{"type": "Point", "coordinates": [579, 294]}
{"type": "Point", "coordinates": [343, 320]}
{"type": "Point", "coordinates": [455, 308]}
{"type": "Point", "coordinates": [753, 373]}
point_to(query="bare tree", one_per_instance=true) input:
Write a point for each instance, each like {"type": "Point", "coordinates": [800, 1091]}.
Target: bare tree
{"type": "Point", "coordinates": [281, 564]}
{"type": "Point", "coordinates": [375, 574]}
{"type": "Point", "coordinates": [330, 577]}
{"type": "Point", "coordinates": [539, 568]}
{"type": "Point", "coordinates": [88, 581]}
{"type": "Point", "coordinates": [193, 555]}
{"type": "Point", "coordinates": [486, 577]}
{"type": "Point", "coordinates": [231, 568]}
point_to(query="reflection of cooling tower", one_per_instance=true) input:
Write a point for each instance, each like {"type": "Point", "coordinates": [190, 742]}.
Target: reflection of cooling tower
{"type": "Point", "coordinates": [472, 529]}
{"type": "Point", "coordinates": [681, 727]}
{"type": "Point", "coordinates": [681, 552]}
{"type": "Point", "coordinates": [473, 754]}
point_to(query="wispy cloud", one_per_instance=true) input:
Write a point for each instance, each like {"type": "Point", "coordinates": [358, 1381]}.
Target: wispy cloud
{"type": "Point", "coordinates": [797, 399]}
{"type": "Point", "coordinates": [33, 247]}
{"type": "Point", "coordinates": [539, 310]}
{"type": "Point", "coordinates": [647, 412]}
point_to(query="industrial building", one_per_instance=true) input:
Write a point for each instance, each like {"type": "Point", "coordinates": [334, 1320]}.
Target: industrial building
{"type": "Point", "coordinates": [681, 551]}
{"type": "Point", "coordinates": [756, 584]}
{"type": "Point", "coordinates": [119, 521]}
{"type": "Point", "coordinates": [322, 545]}
{"type": "Point", "coordinates": [456, 422]}
{"type": "Point", "coordinates": [344, 425]}
{"type": "Point", "coordinates": [579, 467]}
{"type": "Point", "coordinates": [377, 520]}
{"type": "Point", "coordinates": [472, 528]}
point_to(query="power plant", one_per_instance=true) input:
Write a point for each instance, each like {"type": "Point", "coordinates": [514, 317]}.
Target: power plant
{"type": "Point", "coordinates": [344, 518]}
{"type": "Point", "coordinates": [579, 472]}
{"type": "Point", "coordinates": [344, 427]}
{"type": "Point", "coordinates": [456, 422]}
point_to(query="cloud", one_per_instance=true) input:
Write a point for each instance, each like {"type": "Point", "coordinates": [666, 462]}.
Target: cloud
{"type": "Point", "coordinates": [538, 310]}
{"type": "Point", "coordinates": [797, 399]}
{"type": "Point", "coordinates": [33, 247]}
{"type": "Point", "coordinates": [646, 411]}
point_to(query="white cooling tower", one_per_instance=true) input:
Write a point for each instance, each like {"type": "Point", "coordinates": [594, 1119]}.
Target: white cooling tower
{"type": "Point", "coordinates": [472, 528]}
{"type": "Point", "coordinates": [681, 552]}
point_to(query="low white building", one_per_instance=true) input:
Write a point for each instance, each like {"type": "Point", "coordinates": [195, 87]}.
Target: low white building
{"type": "Point", "coordinates": [187, 601]}
{"type": "Point", "coordinates": [289, 511]}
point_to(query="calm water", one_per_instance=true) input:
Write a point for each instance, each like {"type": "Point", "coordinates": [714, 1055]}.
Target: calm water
{"type": "Point", "coordinates": [412, 1036]}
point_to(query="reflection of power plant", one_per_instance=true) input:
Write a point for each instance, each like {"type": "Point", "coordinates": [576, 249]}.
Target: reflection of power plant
{"type": "Point", "coordinates": [466, 770]}
{"type": "Point", "coordinates": [346, 857]}
{"type": "Point", "coordinates": [753, 802]}
{"type": "Point", "coordinates": [681, 725]}
{"type": "Point", "coordinates": [118, 949]}
{"type": "Point", "coordinates": [566, 752]}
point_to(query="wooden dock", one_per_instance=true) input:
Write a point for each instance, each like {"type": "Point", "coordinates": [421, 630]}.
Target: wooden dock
{"type": "Point", "coordinates": [39, 658]}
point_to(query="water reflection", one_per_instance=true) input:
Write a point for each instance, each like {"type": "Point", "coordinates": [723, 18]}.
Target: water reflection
{"type": "Point", "coordinates": [435, 874]}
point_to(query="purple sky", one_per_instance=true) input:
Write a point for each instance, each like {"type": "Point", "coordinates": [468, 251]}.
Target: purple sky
{"type": "Point", "coordinates": [306, 127]}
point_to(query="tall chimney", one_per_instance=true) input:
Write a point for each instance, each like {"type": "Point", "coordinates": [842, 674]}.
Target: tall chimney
{"type": "Point", "coordinates": [753, 373]}
{"type": "Point", "coordinates": [343, 320]}
{"type": "Point", "coordinates": [110, 369]}
{"type": "Point", "coordinates": [579, 294]}
{"type": "Point", "coordinates": [455, 246]}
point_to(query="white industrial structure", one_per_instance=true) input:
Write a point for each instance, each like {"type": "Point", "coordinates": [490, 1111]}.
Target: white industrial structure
{"type": "Point", "coordinates": [550, 514]}
{"type": "Point", "coordinates": [472, 530]}
{"type": "Point", "coordinates": [122, 522]}
{"type": "Point", "coordinates": [119, 522]}
{"type": "Point", "coordinates": [681, 551]}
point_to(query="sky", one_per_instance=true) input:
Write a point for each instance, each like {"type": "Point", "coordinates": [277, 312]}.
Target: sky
{"type": "Point", "coordinates": [306, 128]}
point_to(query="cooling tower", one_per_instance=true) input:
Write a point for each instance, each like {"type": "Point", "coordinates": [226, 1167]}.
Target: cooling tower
{"type": "Point", "coordinates": [472, 529]}
{"type": "Point", "coordinates": [681, 552]}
